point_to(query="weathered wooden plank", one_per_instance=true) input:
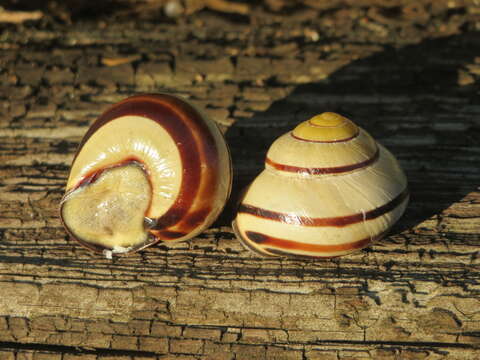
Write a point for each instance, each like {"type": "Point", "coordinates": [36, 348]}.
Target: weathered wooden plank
{"type": "Point", "coordinates": [220, 351]}
{"type": "Point", "coordinates": [413, 295]}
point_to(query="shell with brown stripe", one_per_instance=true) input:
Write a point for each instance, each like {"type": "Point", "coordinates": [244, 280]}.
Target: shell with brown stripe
{"type": "Point", "coordinates": [328, 189]}
{"type": "Point", "coordinates": [151, 168]}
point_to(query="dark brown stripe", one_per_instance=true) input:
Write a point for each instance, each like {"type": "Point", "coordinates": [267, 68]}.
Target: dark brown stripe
{"type": "Point", "coordinates": [326, 142]}
{"type": "Point", "coordinates": [326, 170]}
{"type": "Point", "coordinates": [338, 221]}
{"type": "Point", "coordinates": [290, 245]}
{"type": "Point", "coordinates": [246, 243]}
{"type": "Point", "coordinates": [196, 146]}
{"type": "Point", "coordinates": [95, 174]}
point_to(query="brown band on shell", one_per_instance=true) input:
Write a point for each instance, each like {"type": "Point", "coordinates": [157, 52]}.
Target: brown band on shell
{"type": "Point", "coordinates": [93, 175]}
{"type": "Point", "coordinates": [246, 243]}
{"type": "Point", "coordinates": [326, 170]}
{"type": "Point", "coordinates": [326, 142]}
{"type": "Point", "coordinates": [338, 221]}
{"type": "Point", "coordinates": [182, 122]}
{"type": "Point", "coordinates": [284, 244]}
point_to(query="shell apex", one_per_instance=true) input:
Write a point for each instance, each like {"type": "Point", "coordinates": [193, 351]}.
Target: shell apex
{"type": "Point", "coordinates": [326, 127]}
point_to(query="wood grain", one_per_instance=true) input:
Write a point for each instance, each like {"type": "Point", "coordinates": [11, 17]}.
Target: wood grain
{"type": "Point", "coordinates": [411, 81]}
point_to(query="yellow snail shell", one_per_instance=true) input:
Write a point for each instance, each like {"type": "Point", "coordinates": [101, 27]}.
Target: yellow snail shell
{"type": "Point", "coordinates": [151, 168]}
{"type": "Point", "coordinates": [328, 189]}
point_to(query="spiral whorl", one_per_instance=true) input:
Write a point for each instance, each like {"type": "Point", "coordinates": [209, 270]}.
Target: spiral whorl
{"type": "Point", "coordinates": [326, 127]}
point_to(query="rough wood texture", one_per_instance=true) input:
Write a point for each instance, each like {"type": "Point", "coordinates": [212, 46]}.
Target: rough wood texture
{"type": "Point", "coordinates": [409, 72]}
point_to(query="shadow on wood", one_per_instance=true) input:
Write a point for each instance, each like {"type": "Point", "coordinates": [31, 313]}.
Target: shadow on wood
{"type": "Point", "coordinates": [409, 99]}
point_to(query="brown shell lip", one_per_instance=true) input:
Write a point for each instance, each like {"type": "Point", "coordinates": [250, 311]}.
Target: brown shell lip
{"type": "Point", "coordinates": [196, 146]}
{"type": "Point", "coordinates": [338, 221]}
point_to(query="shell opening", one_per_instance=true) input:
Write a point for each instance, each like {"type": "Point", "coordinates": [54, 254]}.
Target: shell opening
{"type": "Point", "coordinates": [110, 211]}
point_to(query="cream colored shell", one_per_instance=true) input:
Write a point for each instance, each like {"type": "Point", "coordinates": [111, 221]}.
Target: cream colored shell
{"type": "Point", "coordinates": [145, 140]}
{"type": "Point", "coordinates": [322, 193]}
{"type": "Point", "coordinates": [151, 168]}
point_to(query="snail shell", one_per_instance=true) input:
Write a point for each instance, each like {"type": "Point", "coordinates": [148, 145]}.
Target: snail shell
{"type": "Point", "coordinates": [151, 168]}
{"type": "Point", "coordinates": [328, 189]}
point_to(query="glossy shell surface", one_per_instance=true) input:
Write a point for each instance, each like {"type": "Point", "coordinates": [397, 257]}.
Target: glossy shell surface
{"type": "Point", "coordinates": [173, 175]}
{"type": "Point", "coordinates": [328, 189]}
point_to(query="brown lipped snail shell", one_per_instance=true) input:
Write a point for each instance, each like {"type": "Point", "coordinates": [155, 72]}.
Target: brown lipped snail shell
{"type": "Point", "coordinates": [328, 189]}
{"type": "Point", "coordinates": [150, 168]}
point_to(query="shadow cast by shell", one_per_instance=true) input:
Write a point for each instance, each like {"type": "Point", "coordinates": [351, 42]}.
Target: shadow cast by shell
{"type": "Point", "coordinates": [409, 99]}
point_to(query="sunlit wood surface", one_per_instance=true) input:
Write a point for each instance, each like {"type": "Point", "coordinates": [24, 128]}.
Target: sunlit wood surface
{"type": "Point", "coordinates": [409, 74]}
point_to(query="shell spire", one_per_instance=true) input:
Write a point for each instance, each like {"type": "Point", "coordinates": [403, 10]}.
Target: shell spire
{"type": "Point", "coordinates": [326, 127]}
